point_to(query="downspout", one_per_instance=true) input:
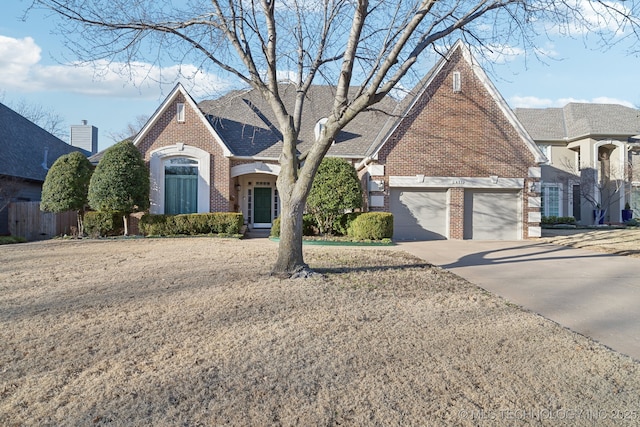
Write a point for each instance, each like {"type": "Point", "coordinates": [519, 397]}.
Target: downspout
{"type": "Point", "coordinates": [44, 162]}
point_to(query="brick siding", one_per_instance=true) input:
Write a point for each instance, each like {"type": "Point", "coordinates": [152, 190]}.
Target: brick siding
{"type": "Point", "coordinates": [168, 131]}
{"type": "Point", "coordinates": [456, 134]}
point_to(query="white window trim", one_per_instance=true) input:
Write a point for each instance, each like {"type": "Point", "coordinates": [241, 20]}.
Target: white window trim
{"type": "Point", "coordinates": [180, 112]}
{"type": "Point", "coordinates": [545, 197]}
{"type": "Point", "coordinates": [457, 82]}
{"type": "Point", "coordinates": [156, 168]}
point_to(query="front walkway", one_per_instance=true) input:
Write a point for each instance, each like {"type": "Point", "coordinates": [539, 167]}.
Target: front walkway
{"type": "Point", "coordinates": [595, 294]}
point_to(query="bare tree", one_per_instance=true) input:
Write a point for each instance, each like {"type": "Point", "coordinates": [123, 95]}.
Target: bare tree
{"type": "Point", "coordinates": [42, 116]}
{"type": "Point", "coordinates": [131, 130]}
{"type": "Point", "coordinates": [372, 44]}
{"type": "Point", "coordinates": [605, 187]}
{"type": "Point", "coordinates": [9, 188]}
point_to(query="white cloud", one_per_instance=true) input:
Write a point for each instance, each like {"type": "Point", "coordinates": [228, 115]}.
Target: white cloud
{"type": "Point", "coordinates": [500, 54]}
{"type": "Point", "coordinates": [591, 16]}
{"type": "Point", "coordinates": [535, 102]}
{"type": "Point", "coordinates": [21, 70]}
{"type": "Point", "coordinates": [17, 57]}
{"type": "Point", "coordinates": [607, 100]}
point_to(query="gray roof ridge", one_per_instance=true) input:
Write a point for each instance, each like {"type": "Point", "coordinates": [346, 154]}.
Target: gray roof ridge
{"type": "Point", "coordinates": [564, 121]}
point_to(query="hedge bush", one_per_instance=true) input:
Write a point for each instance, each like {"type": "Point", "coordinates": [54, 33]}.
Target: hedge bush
{"type": "Point", "coordinates": [309, 226]}
{"type": "Point", "coordinates": [191, 224]}
{"type": "Point", "coordinates": [553, 220]}
{"type": "Point", "coordinates": [275, 228]}
{"type": "Point", "coordinates": [372, 226]}
{"type": "Point", "coordinates": [101, 224]}
{"type": "Point", "coordinates": [342, 224]}
{"type": "Point", "coordinates": [336, 189]}
{"type": "Point", "coordinates": [7, 240]}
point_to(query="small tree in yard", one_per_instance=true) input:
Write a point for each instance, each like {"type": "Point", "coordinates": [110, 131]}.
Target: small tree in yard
{"type": "Point", "coordinates": [120, 182]}
{"type": "Point", "coordinates": [336, 189]}
{"type": "Point", "coordinates": [66, 186]}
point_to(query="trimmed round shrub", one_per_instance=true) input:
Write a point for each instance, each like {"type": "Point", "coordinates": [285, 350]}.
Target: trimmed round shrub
{"type": "Point", "coordinates": [120, 181]}
{"type": "Point", "coordinates": [342, 224]}
{"type": "Point", "coordinates": [372, 226]}
{"type": "Point", "coordinates": [101, 224]}
{"type": "Point", "coordinates": [336, 189]}
{"type": "Point", "coordinates": [67, 183]}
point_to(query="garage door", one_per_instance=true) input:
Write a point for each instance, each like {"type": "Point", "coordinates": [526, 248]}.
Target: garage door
{"type": "Point", "coordinates": [419, 215]}
{"type": "Point", "coordinates": [491, 215]}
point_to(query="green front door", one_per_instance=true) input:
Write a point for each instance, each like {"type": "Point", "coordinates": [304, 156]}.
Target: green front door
{"type": "Point", "coordinates": [262, 207]}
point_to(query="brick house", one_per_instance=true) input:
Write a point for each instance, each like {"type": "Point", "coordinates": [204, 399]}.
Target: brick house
{"type": "Point", "coordinates": [450, 160]}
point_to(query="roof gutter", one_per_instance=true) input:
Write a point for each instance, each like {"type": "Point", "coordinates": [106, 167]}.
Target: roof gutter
{"type": "Point", "coordinates": [364, 163]}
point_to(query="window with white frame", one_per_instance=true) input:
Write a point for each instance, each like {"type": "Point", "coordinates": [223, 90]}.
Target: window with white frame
{"type": "Point", "coordinates": [551, 199]}
{"type": "Point", "coordinates": [180, 112]}
{"type": "Point", "coordinates": [180, 186]}
{"type": "Point", "coordinates": [457, 82]}
{"type": "Point", "coordinates": [276, 202]}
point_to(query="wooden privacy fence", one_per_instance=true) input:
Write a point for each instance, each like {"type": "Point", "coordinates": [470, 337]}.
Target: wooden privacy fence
{"type": "Point", "coordinates": [28, 221]}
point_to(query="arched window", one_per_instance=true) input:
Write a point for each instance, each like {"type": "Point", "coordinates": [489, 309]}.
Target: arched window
{"type": "Point", "coordinates": [180, 185]}
{"type": "Point", "coordinates": [178, 168]}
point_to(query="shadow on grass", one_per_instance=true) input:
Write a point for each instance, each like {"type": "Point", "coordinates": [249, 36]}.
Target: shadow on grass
{"type": "Point", "coordinates": [372, 268]}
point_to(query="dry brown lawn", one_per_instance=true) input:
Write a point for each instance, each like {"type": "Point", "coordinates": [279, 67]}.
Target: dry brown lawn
{"type": "Point", "coordinates": [617, 241]}
{"type": "Point", "coordinates": [193, 331]}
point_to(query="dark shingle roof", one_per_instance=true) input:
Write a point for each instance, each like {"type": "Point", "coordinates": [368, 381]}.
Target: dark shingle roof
{"type": "Point", "coordinates": [576, 120]}
{"type": "Point", "coordinates": [23, 145]}
{"type": "Point", "coordinates": [245, 122]}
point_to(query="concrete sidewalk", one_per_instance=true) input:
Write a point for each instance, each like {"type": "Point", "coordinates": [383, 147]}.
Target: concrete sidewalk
{"type": "Point", "coordinates": [597, 295]}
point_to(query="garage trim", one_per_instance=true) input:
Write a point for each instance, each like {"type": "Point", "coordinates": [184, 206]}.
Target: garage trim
{"type": "Point", "coordinates": [455, 182]}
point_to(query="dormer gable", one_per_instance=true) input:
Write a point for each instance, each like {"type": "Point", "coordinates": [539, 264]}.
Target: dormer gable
{"type": "Point", "coordinates": [175, 105]}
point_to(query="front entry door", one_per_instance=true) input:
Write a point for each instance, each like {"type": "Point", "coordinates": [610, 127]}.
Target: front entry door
{"type": "Point", "coordinates": [262, 207]}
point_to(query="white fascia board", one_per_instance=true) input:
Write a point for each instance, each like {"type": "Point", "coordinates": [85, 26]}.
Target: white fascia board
{"type": "Point", "coordinates": [189, 100]}
{"type": "Point", "coordinates": [455, 182]}
{"type": "Point", "coordinates": [156, 115]}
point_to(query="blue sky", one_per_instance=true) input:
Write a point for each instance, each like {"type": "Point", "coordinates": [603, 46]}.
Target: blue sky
{"type": "Point", "coordinates": [35, 68]}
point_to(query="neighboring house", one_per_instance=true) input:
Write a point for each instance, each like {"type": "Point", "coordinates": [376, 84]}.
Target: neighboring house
{"type": "Point", "coordinates": [26, 153]}
{"type": "Point", "coordinates": [593, 153]}
{"type": "Point", "coordinates": [449, 161]}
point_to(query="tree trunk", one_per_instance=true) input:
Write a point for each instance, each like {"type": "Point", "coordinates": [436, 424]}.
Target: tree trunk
{"type": "Point", "coordinates": [290, 260]}
{"type": "Point", "coordinates": [80, 217]}
{"type": "Point", "coordinates": [294, 186]}
{"type": "Point", "coordinates": [125, 220]}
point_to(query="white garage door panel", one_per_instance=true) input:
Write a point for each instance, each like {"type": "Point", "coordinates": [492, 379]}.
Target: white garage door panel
{"type": "Point", "coordinates": [495, 216]}
{"type": "Point", "coordinates": [419, 215]}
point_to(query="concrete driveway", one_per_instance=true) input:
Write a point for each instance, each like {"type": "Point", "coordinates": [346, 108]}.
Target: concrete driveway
{"type": "Point", "coordinates": [594, 294]}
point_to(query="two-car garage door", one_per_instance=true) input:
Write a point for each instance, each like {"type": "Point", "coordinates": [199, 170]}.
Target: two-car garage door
{"type": "Point", "coordinates": [421, 214]}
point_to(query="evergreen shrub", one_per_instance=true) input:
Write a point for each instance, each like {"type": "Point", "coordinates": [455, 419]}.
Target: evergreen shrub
{"type": "Point", "coordinates": [372, 226]}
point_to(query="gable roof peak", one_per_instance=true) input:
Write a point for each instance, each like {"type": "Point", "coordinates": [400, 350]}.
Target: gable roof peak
{"type": "Point", "coordinates": [421, 88]}
{"type": "Point", "coordinates": [179, 89]}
